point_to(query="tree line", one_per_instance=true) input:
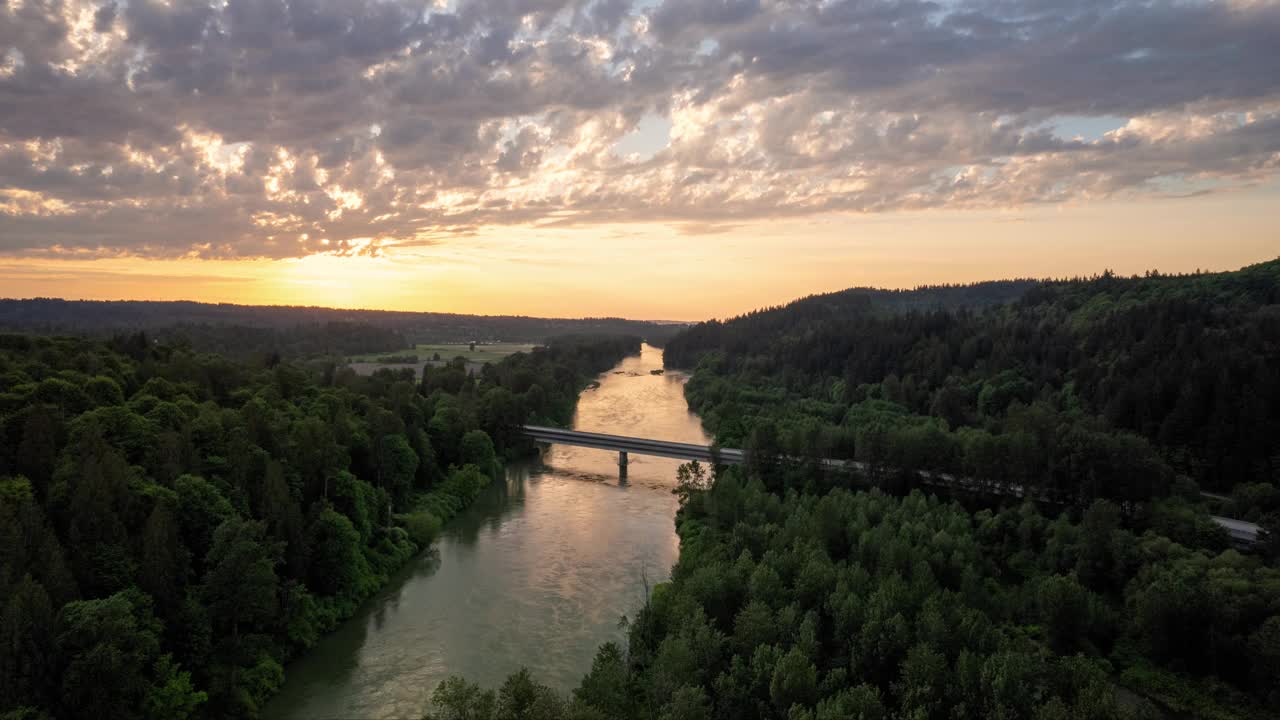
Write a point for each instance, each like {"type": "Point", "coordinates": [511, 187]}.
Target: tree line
{"type": "Point", "coordinates": [175, 525]}
{"type": "Point", "coordinates": [1101, 387]}
{"type": "Point", "coordinates": [268, 345]}
{"type": "Point", "coordinates": [105, 318]}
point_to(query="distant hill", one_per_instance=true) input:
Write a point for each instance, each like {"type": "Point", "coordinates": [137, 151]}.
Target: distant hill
{"type": "Point", "coordinates": [781, 320]}
{"type": "Point", "coordinates": [927, 297]}
{"type": "Point", "coordinates": [399, 329]}
{"type": "Point", "coordinates": [1191, 363]}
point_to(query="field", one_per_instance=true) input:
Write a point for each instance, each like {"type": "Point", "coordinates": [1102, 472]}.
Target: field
{"type": "Point", "coordinates": [483, 353]}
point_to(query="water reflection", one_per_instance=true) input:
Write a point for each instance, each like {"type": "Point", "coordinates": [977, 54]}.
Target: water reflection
{"type": "Point", "coordinates": [536, 572]}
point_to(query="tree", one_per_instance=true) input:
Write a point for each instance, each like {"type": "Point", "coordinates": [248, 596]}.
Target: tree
{"type": "Point", "coordinates": [456, 699]}
{"type": "Point", "coordinates": [691, 479]}
{"type": "Point", "coordinates": [97, 534]}
{"type": "Point", "coordinates": [754, 626]}
{"type": "Point", "coordinates": [794, 681]}
{"type": "Point", "coordinates": [520, 698]}
{"type": "Point", "coordinates": [104, 391]}
{"type": "Point", "coordinates": [247, 687]}
{"type": "Point", "coordinates": [173, 697]}
{"type": "Point", "coordinates": [605, 686]}
{"type": "Point", "coordinates": [687, 703]}
{"type": "Point", "coordinates": [202, 508]}
{"type": "Point", "coordinates": [1063, 606]}
{"type": "Point", "coordinates": [397, 465]}
{"type": "Point", "coordinates": [423, 527]}
{"type": "Point", "coordinates": [764, 452]}
{"type": "Point", "coordinates": [1100, 564]}
{"type": "Point", "coordinates": [1265, 647]}
{"type": "Point", "coordinates": [476, 449]}
{"type": "Point", "coordinates": [859, 703]}
{"type": "Point", "coordinates": [500, 415]}
{"type": "Point", "coordinates": [240, 585]}
{"type": "Point", "coordinates": [28, 668]}
{"type": "Point", "coordinates": [109, 647]}
{"type": "Point", "coordinates": [42, 433]}
{"type": "Point", "coordinates": [924, 682]}
{"type": "Point", "coordinates": [428, 468]}
{"type": "Point", "coordinates": [445, 429]}
{"type": "Point", "coordinates": [315, 454]}
{"type": "Point", "coordinates": [1174, 616]}
{"type": "Point", "coordinates": [241, 591]}
{"type": "Point", "coordinates": [338, 566]}
{"type": "Point", "coordinates": [358, 500]}
{"type": "Point", "coordinates": [28, 544]}
{"type": "Point", "coordinates": [166, 561]}
{"type": "Point", "coordinates": [283, 517]}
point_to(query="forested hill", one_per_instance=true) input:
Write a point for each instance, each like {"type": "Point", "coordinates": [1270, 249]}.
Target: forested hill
{"type": "Point", "coordinates": [775, 320]}
{"type": "Point", "coordinates": [106, 318]}
{"type": "Point", "coordinates": [329, 339]}
{"type": "Point", "coordinates": [1067, 385]}
{"type": "Point", "coordinates": [174, 525]}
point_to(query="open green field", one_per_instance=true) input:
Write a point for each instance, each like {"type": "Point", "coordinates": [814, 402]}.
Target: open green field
{"type": "Point", "coordinates": [482, 354]}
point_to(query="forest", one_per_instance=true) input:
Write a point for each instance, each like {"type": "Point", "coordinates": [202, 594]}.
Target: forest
{"type": "Point", "coordinates": [210, 323]}
{"type": "Point", "coordinates": [333, 339]}
{"type": "Point", "coordinates": [834, 603]}
{"type": "Point", "coordinates": [141, 480]}
{"type": "Point", "coordinates": [804, 594]}
{"type": "Point", "coordinates": [1101, 387]}
{"type": "Point", "coordinates": [175, 525]}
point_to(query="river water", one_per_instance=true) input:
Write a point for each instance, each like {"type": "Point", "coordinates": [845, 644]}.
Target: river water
{"type": "Point", "coordinates": [537, 572]}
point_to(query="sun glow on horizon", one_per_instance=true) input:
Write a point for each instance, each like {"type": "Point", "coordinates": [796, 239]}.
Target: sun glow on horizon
{"type": "Point", "coordinates": [645, 159]}
{"type": "Point", "coordinates": [660, 271]}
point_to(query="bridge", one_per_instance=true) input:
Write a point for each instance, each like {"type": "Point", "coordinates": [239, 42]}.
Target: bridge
{"type": "Point", "coordinates": [624, 445]}
{"type": "Point", "coordinates": [1242, 533]}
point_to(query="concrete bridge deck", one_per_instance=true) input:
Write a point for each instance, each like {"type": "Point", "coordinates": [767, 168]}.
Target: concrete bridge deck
{"type": "Point", "coordinates": [623, 445]}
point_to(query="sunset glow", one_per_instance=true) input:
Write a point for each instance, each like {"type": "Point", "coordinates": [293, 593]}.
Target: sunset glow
{"type": "Point", "coordinates": [677, 159]}
{"type": "Point", "coordinates": [608, 270]}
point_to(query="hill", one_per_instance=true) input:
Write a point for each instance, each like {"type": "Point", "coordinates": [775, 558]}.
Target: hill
{"type": "Point", "coordinates": [192, 319]}
{"type": "Point", "coordinates": [1103, 386]}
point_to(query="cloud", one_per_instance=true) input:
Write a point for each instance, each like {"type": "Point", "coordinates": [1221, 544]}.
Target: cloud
{"type": "Point", "coordinates": [281, 128]}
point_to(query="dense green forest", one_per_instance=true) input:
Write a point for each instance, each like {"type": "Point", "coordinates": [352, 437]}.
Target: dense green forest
{"type": "Point", "coordinates": [825, 603]}
{"type": "Point", "coordinates": [142, 480]}
{"type": "Point", "coordinates": [334, 339]}
{"type": "Point", "coordinates": [199, 322]}
{"type": "Point", "coordinates": [1103, 387]}
{"type": "Point", "coordinates": [175, 525]}
{"type": "Point", "coordinates": [802, 595]}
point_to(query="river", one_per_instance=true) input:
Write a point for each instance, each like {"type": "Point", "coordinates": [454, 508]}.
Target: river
{"type": "Point", "coordinates": [537, 572]}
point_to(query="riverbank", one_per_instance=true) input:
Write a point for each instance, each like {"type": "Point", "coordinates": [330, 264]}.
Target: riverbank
{"type": "Point", "coordinates": [445, 433]}
{"type": "Point", "coordinates": [537, 569]}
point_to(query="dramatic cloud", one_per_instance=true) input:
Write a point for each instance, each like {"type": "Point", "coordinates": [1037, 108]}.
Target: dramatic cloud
{"type": "Point", "coordinates": [279, 128]}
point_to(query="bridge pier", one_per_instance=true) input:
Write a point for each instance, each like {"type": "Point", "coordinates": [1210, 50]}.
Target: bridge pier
{"type": "Point", "coordinates": [622, 463]}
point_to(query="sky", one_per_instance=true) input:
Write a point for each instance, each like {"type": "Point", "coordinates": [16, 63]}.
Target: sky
{"type": "Point", "coordinates": [667, 159]}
